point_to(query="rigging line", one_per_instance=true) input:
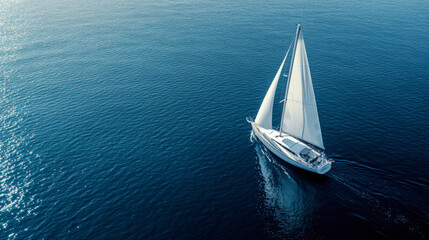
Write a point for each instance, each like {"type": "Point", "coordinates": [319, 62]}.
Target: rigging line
{"type": "Point", "coordinates": [284, 69]}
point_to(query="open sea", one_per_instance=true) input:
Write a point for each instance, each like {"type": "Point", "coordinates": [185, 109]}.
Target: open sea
{"type": "Point", "coordinates": [126, 119]}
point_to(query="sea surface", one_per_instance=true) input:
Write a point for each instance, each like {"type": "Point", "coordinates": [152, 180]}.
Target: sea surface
{"type": "Point", "coordinates": [126, 120]}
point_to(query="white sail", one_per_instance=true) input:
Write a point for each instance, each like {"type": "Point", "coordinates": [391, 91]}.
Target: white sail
{"type": "Point", "coordinates": [300, 114]}
{"type": "Point", "coordinates": [265, 113]}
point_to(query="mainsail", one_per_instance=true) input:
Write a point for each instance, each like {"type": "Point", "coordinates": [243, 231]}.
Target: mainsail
{"type": "Point", "coordinates": [300, 118]}
{"type": "Point", "coordinates": [265, 113]}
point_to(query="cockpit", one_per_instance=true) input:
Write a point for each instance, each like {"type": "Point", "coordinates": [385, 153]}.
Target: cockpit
{"type": "Point", "coordinates": [297, 148]}
{"type": "Point", "coordinates": [308, 155]}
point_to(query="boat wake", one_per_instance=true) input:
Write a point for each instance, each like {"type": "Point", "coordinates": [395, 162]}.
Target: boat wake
{"type": "Point", "coordinates": [291, 198]}
{"type": "Point", "coordinates": [375, 190]}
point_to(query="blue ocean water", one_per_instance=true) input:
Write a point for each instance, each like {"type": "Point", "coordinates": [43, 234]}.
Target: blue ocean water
{"type": "Point", "coordinates": [126, 119]}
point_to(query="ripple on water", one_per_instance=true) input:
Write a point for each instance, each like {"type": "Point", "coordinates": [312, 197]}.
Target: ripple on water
{"type": "Point", "coordinates": [16, 154]}
{"type": "Point", "coordinates": [16, 159]}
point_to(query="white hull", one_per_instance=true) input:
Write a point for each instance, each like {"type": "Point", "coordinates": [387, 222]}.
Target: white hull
{"type": "Point", "coordinates": [270, 139]}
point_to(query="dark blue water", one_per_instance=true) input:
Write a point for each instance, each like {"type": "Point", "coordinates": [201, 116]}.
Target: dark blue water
{"type": "Point", "coordinates": [126, 119]}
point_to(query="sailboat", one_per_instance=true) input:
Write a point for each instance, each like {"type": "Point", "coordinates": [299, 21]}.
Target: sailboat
{"type": "Point", "coordinates": [299, 140]}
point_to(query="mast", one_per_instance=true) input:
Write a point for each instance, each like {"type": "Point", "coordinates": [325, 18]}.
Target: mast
{"type": "Point", "coordinates": [298, 29]}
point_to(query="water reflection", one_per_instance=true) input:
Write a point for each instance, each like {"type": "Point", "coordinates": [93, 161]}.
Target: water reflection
{"type": "Point", "coordinates": [288, 202]}
{"type": "Point", "coordinates": [16, 154]}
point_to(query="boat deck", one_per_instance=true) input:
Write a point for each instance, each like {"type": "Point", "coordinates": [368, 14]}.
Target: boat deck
{"type": "Point", "coordinates": [292, 145]}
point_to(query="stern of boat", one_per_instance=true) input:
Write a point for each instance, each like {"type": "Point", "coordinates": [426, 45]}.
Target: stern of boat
{"type": "Point", "coordinates": [327, 164]}
{"type": "Point", "coordinates": [325, 168]}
